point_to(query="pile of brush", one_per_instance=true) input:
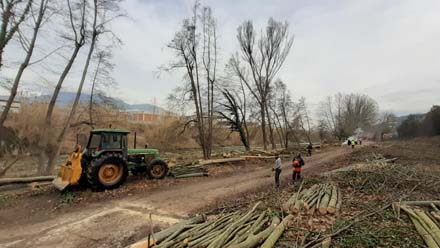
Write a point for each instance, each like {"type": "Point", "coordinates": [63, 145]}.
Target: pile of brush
{"type": "Point", "coordinates": [426, 222]}
{"type": "Point", "coordinates": [246, 229]}
{"type": "Point", "coordinates": [324, 198]}
{"type": "Point", "coordinates": [188, 171]}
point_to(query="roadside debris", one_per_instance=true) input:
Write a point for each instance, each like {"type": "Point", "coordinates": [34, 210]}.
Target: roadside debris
{"type": "Point", "coordinates": [425, 222]}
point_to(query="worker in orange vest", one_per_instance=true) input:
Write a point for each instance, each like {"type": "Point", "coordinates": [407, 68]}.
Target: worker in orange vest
{"type": "Point", "coordinates": [297, 163]}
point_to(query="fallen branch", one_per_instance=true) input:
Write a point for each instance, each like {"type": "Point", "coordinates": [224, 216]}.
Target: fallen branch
{"type": "Point", "coordinates": [355, 219]}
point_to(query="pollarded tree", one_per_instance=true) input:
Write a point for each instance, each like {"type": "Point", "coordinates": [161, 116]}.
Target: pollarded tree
{"type": "Point", "coordinates": [258, 62]}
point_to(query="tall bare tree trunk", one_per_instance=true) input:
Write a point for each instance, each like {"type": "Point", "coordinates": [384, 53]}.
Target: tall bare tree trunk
{"type": "Point", "coordinates": [269, 123]}
{"type": "Point", "coordinates": [263, 125]}
{"type": "Point", "coordinates": [61, 137]}
{"type": "Point", "coordinates": [60, 82]}
{"type": "Point", "coordinates": [92, 91]}
{"type": "Point", "coordinates": [45, 147]}
{"type": "Point", "coordinates": [5, 35]}
{"type": "Point", "coordinates": [24, 64]}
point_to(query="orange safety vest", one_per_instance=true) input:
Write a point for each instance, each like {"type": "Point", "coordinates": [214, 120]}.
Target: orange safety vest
{"type": "Point", "coordinates": [296, 166]}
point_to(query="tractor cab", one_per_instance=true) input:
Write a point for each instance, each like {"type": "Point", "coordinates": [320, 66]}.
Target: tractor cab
{"type": "Point", "coordinates": [106, 140]}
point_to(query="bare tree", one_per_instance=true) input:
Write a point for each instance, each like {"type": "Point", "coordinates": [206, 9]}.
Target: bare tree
{"type": "Point", "coordinates": [360, 111]}
{"type": "Point", "coordinates": [101, 78]}
{"type": "Point", "coordinates": [277, 98]}
{"type": "Point", "coordinates": [77, 22]}
{"type": "Point", "coordinates": [101, 12]}
{"type": "Point", "coordinates": [75, 33]}
{"type": "Point", "coordinates": [12, 16]}
{"type": "Point", "coordinates": [331, 112]}
{"type": "Point", "coordinates": [387, 123]}
{"type": "Point", "coordinates": [28, 48]}
{"type": "Point", "coordinates": [260, 61]}
{"type": "Point", "coordinates": [197, 54]}
{"type": "Point", "coordinates": [343, 114]}
{"type": "Point", "coordinates": [304, 118]}
{"type": "Point", "coordinates": [285, 112]}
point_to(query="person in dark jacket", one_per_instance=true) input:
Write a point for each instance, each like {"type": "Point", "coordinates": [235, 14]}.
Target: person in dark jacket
{"type": "Point", "coordinates": [297, 163]}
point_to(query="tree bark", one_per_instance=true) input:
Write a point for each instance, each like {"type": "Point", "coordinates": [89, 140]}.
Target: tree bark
{"type": "Point", "coordinates": [269, 123]}
{"type": "Point", "coordinates": [263, 125]}
{"type": "Point", "coordinates": [92, 92]}
{"type": "Point", "coordinates": [5, 35]}
{"type": "Point", "coordinates": [276, 234]}
{"type": "Point", "coordinates": [6, 181]}
{"type": "Point", "coordinates": [23, 66]}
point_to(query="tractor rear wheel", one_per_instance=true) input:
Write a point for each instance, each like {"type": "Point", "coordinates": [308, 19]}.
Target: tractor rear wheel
{"type": "Point", "coordinates": [107, 172]}
{"type": "Point", "coordinates": [158, 169]}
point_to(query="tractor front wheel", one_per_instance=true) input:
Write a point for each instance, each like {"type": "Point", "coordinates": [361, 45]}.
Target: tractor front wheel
{"type": "Point", "coordinates": [158, 169]}
{"type": "Point", "coordinates": [107, 172]}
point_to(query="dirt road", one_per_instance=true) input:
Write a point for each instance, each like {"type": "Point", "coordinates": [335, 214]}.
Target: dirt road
{"type": "Point", "coordinates": [119, 222]}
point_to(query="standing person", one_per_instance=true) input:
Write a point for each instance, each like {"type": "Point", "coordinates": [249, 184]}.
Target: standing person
{"type": "Point", "coordinates": [277, 169]}
{"type": "Point", "coordinates": [352, 144]}
{"type": "Point", "coordinates": [297, 163]}
{"type": "Point", "coordinates": [309, 149]}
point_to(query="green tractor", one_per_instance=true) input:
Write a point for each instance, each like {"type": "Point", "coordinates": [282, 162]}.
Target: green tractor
{"type": "Point", "coordinates": [106, 162]}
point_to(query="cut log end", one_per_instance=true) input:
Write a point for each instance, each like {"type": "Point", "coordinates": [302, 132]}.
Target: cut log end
{"type": "Point", "coordinates": [322, 211]}
{"type": "Point", "coordinates": [331, 210]}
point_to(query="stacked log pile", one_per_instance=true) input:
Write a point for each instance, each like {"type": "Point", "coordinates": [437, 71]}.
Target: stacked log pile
{"type": "Point", "coordinates": [426, 222]}
{"type": "Point", "coordinates": [241, 229]}
{"type": "Point", "coordinates": [187, 171]}
{"type": "Point", "coordinates": [323, 198]}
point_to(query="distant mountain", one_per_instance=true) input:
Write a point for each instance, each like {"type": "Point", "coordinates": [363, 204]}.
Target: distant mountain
{"type": "Point", "coordinates": [66, 98]}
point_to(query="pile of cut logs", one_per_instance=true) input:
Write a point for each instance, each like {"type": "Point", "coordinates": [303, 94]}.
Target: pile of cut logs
{"type": "Point", "coordinates": [187, 171]}
{"type": "Point", "coordinates": [324, 198]}
{"type": "Point", "coordinates": [427, 223]}
{"type": "Point", "coordinates": [241, 229]}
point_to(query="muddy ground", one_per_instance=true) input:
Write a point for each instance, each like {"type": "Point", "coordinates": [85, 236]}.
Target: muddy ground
{"type": "Point", "coordinates": [81, 218]}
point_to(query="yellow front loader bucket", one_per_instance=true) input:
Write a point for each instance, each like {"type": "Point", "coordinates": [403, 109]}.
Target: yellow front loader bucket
{"type": "Point", "coordinates": [70, 171]}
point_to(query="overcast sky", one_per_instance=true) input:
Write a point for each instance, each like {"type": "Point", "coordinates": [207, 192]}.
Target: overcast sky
{"type": "Point", "coordinates": [388, 49]}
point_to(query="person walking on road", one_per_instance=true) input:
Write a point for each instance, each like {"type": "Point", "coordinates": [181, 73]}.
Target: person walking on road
{"type": "Point", "coordinates": [297, 163]}
{"type": "Point", "coordinates": [277, 169]}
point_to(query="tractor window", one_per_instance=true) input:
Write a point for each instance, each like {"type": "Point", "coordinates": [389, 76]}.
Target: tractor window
{"type": "Point", "coordinates": [111, 141]}
{"type": "Point", "coordinates": [94, 141]}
